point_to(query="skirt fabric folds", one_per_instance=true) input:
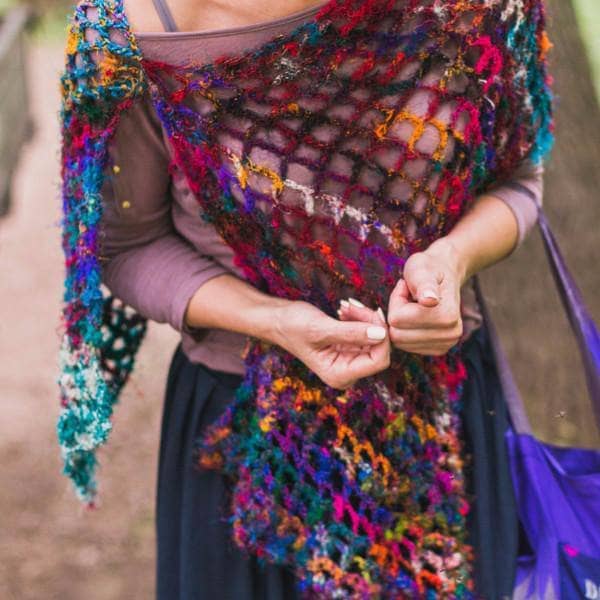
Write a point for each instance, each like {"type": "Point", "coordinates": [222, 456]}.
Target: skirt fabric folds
{"type": "Point", "coordinates": [197, 560]}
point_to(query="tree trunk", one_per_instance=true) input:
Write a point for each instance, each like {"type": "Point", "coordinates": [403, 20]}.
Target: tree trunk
{"type": "Point", "coordinates": [520, 291]}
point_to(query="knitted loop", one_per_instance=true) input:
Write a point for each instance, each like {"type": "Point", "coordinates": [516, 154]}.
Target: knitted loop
{"type": "Point", "coordinates": [102, 61]}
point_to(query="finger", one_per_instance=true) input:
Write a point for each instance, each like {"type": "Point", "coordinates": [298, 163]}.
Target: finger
{"type": "Point", "coordinates": [349, 348]}
{"type": "Point", "coordinates": [425, 336]}
{"type": "Point", "coordinates": [381, 353]}
{"type": "Point", "coordinates": [353, 310]}
{"type": "Point", "coordinates": [415, 316]}
{"type": "Point", "coordinates": [365, 364]}
{"type": "Point", "coordinates": [352, 332]}
{"type": "Point", "coordinates": [423, 278]}
{"type": "Point", "coordinates": [349, 311]}
{"type": "Point", "coordinates": [399, 297]}
{"type": "Point", "coordinates": [432, 350]}
{"type": "Point", "coordinates": [401, 294]}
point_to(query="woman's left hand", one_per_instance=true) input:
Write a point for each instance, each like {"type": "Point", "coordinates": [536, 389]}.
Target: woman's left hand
{"type": "Point", "coordinates": [424, 313]}
{"type": "Point", "coordinates": [424, 308]}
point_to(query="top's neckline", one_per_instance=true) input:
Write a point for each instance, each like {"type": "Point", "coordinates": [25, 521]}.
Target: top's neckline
{"type": "Point", "coordinates": [240, 29]}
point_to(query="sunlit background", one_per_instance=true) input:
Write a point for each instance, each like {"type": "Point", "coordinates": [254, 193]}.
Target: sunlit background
{"type": "Point", "coordinates": [49, 547]}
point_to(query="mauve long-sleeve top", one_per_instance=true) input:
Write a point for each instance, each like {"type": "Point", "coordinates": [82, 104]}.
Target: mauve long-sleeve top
{"type": "Point", "coordinates": [157, 250]}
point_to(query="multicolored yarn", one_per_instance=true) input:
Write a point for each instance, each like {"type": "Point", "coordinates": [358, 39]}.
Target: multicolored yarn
{"type": "Point", "coordinates": [361, 492]}
{"type": "Point", "coordinates": [101, 336]}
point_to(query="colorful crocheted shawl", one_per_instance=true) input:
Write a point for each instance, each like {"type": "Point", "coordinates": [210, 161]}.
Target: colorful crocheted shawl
{"type": "Point", "coordinates": [361, 491]}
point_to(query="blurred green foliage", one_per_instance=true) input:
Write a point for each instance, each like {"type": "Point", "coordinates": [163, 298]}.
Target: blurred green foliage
{"type": "Point", "coordinates": [588, 17]}
{"type": "Point", "coordinates": [49, 17]}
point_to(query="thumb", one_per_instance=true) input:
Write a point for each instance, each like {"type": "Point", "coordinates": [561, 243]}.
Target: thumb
{"type": "Point", "coordinates": [423, 281]}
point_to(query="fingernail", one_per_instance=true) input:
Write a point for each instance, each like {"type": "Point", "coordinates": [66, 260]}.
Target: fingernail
{"type": "Point", "coordinates": [375, 332]}
{"type": "Point", "coordinates": [430, 294]}
{"type": "Point", "coordinates": [380, 313]}
{"type": "Point", "coordinates": [344, 304]}
{"type": "Point", "coordinates": [356, 302]}
{"type": "Point", "coordinates": [339, 312]}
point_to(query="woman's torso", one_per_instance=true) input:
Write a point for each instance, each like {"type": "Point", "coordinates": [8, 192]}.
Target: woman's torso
{"type": "Point", "coordinates": [221, 349]}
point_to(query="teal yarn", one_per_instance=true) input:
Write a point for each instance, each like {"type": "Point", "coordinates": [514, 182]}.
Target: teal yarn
{"type": "Point", "coordinates": [92, 368]}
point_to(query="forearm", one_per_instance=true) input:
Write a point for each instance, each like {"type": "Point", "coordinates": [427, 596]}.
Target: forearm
{"type": "Point", "coordinates": [487, 233]}
{"type": "Point", "coordinates": [484, 235]}
{"type": "Point", "coordinates": [228, 302]}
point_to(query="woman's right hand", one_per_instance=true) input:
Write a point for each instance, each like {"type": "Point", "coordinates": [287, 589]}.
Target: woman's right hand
{"type": "Point", "coordinates": [339, 352]}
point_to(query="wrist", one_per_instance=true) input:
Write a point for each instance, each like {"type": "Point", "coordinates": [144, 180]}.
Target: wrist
{"type": "Point", "coordinates": [241, 308]}
{"type": "Point", "coordinates": [446, 249]}
{"type": "Point", "coordinates": [268, 318]}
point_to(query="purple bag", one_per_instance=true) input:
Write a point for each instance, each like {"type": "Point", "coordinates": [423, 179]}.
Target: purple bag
{"type": "Point", "coordinates": [557, 489]}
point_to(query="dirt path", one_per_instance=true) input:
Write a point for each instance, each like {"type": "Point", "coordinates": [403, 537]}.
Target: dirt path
{"type": "Point", "coordinates": [49, 547]}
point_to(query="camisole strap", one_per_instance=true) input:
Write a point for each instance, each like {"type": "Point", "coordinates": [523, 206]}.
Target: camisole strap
{"type": "Point", "coordinates": [165, 15]}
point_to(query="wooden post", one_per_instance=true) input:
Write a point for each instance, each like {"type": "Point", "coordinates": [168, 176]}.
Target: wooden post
{"type": "Point", "coordinates": [15, 120]}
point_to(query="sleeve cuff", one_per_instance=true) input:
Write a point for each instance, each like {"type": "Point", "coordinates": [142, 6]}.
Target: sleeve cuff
{"type": "Point", "coordinates": [522, 204]}
{"type": "Point", "coordinates": [522, 194]}
{"type": "Point", "coordinates": [182, 298]}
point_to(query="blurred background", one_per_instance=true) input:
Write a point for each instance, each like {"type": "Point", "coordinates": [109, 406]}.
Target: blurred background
{"type": "Point", "coordinates": [49, 547]}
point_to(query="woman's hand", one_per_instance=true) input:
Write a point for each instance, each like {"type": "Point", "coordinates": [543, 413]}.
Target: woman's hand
{"type": "Point", "coordinates": [339, 352]}
{"type": "Point", "coordinates": [424, 308]}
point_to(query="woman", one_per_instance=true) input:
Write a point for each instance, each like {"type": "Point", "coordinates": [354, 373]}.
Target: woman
{"type": "Point", "coordinates": [159, 258]}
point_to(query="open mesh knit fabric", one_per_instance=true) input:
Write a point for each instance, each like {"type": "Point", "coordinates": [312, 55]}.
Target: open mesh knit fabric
{"type": "Point", "coordinates": [360, 491]}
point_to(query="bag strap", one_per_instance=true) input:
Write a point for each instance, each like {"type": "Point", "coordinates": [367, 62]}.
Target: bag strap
{"type": "Point", "coordinates": [580, 319]}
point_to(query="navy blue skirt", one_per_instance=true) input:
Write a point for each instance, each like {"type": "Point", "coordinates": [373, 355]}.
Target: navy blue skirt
{"type": "Point", "coordinates": [196, 558]}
